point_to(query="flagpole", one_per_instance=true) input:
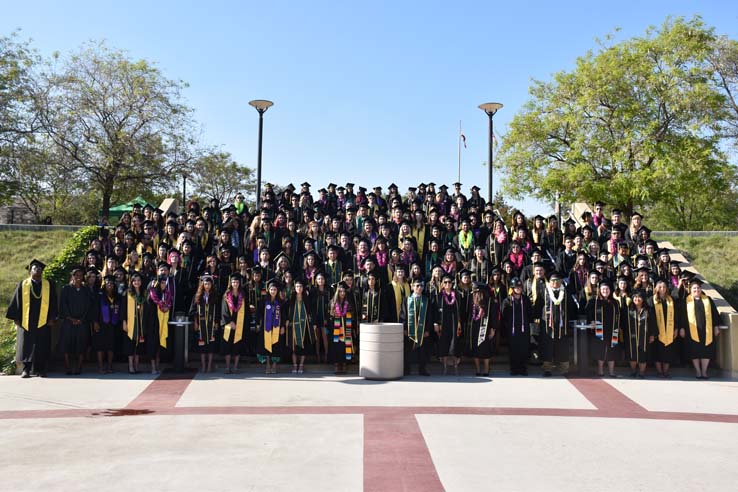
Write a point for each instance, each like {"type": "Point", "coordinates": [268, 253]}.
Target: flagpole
{"type": "Point", "coordinates": [459, 178]}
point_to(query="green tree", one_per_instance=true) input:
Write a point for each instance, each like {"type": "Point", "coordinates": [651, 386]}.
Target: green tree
{"type": "Point", "coordinates": [625, 124]}
{"type": "Point", "coordinates": [216, 175]}
{"type": "Point", "coordinates": [115, 121]}
{"type": "Point", "coordinates": [17, 122]}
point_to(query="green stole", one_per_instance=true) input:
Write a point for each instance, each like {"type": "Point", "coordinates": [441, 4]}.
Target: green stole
{"type": "Point", "coordinates": [417, 309]}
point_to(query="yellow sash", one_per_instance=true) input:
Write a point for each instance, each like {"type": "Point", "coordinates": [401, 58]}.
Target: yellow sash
{"type": "Point", "coordinates": [239, 325]}
{"type": "Point", "coordinates": [131, 315]}
{"type": "Point", "coordinates": [399, 291]}
{"type": "Point", "coordinates": [666, 330]}
{"type": "Point", "coordinates": [163, 326]}
{"type": "Point", "coordinates": [271, 338]}
{"type": "Point", "coordinates": [692, 319]}
{"type": "Point", "coordinates": [44, 311]}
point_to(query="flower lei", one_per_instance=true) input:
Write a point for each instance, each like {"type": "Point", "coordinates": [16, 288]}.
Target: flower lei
{"type": "Point", "coordinates": [381, 258]}
{"type": "Point", "coordinates": [556, 297]}
{"type": "Point", "coordinates": [465, 240]}
{"type": "Point", "coordinates": [341, 310]}
{"type": "Point", "coordinates": [477, 312]}
{"type": "Point", "coordinates": [449, 299]}
{"type": "Point", "coordinates": [229, 299]}
{"type": "Point", "coordinates": [165, 303]}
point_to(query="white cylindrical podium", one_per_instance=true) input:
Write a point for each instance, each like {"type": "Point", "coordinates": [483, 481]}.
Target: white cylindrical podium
{"type": "Point", "coordinates": [381, 352]}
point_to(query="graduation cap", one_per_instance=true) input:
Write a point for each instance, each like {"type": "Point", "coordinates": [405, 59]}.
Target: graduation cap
{"type": "Point", "coordinates": [664, 252]}
{"type": "Point", "coordinates": [443, 187]}
{"type": "Point", "coordinates": [332, 185]}
{"type": "Point", "coordinates": [674, 263]}
{"type": "Point", "coordinates": [148, 256]}
{"type": "Point", "coordinates": [600, 263]}
{"type": "Point", "coordinates": [305, 185]}
{"type": "Point", "coordinates": [37, 264]}
{"type": "Point", "coordinates": [206, 278]}
{"type": "Point", "coordinates": [411, 189]}
{"type": "Point", "coordinates": [605, 282]}
{"type": "Point", "coordinates": [475, 188]}
{"type": "Point", "coordinates": [636, 214]}
{"type": "Point", "coordinates": [322, 190]}
{"type": "Point", "coordinates": [368, 259]}
{"type": "Point", "coordinates": [638, 293]}
{"type": "Point", "coordinates": [362, 189]}
{"type": "Point", "coordinates": [432, 184]}
{"type": "Point", "coordinates": [457, 184]}
{"type": "Point", "coordinates": [109, 278]}
{"type": "Point", "coordinates": [280, 256]}
{"type": "Point", "coordinates": [515, 282]}
{"type": "Point", "coordinates": [585, 214]}
{"type": "Point", "coordinates": [395, 250]}
{"type": "Point", "coordinates": [616, 211]}
{"type": "Point", "coordinates": [290, 187]}
{"type": "Point", "coordinates": [377, 188]}
{"type": "Point", "coordinates": [334, 248]}
{"type": "Point", "coordinates": [479, 287]}
{"type": "Point", "coordinates": [695, 280]}
{"type": "Point", "coordinates": [555, 276]}
{"type": "Point", "coordinates": [464, 271]}
{"type": "Point", "coordinates": [421, 185]}
{"type": "Point", "coordinates": [392, 186]}
{"type": "Point", "coordinates": [257, 270]}
{"type": "Point", "coordinates": [570, 221]}
{"type": "Point", "coordinates": [236, 276]}
{"type": "Point", "coordinates": [642, 269]}
{"type": "Point", "coordinates": [341, 189]}
{"type": "Point", "coordinates": [349, 185]}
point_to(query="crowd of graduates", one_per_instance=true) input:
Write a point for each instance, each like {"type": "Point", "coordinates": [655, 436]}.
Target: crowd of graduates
{"type": "Point", "coordinates": [299, 276]}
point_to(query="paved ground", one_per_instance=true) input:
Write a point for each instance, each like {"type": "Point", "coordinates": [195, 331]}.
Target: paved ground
{"type": "Point", "coordinates": [321, 432]}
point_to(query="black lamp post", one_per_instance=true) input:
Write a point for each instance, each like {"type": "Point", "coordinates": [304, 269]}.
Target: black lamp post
{"type": "Point", "coordinates": [490, 109]}
{"type": "Point", "coordinates": [261, 106]}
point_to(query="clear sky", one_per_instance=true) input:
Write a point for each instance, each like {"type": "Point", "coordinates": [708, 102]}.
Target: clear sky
{"type": "Point", "coordinates": [368, 92]}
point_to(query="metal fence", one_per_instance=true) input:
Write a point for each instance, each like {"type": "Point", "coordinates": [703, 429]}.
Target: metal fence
{"type": "Point", "coordinates": [39, 227]}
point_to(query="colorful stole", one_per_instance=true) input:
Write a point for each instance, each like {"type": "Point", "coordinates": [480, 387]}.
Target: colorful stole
{"type": "Point", "coordinates": [109, 314]}
{"type": "Point", "coordinates": [135, 317]}
{"type": "Point", "coordinates": [417, 309]}
{"type": "Point", "coordinates": [272, 323]}
{"type": "Point", "coordinates": [666, 330]}
{"type": "Point", "coordinates": [26, 308]}
{"type": "Point", "coordinates": [299, 322]}
{"type": "Point", "coordinates": [692, 319]}
{"type": "Point", "coordinates": [343, 328]}
{"type": "Point", "coordinates": [600, 327]}
{"type": "Point", "coordinates": [239, 308]}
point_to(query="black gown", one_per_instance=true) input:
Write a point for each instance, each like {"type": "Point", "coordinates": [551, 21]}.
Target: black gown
{"type": "Point", "coordinates": [136, 343]}
{"type": "Point", "coordinates": [485, 320]}
{"type": "Point", "coordinates": [109, 320]}
{"type": "Point", "coordinates": [609, 313]}
{"type": "Point", "coordinates": [555, 332]}
{"type": "Point", "coordinates": [639, 327]}
{"type": "Point", "coordinates": [517, 315]}
{"type": "Point", "coordinates": [299, 334]}
{"type": "Point", "coordinates": [35, 340]}
{"type": "Point", "coordinates": [275, 310]}
{"type": "Point", "coordinates": [233, 341]}
{"type": "Point", "coordinates": [447, 316]}
{"type": "Point", "coordinates": [207, 315]}
{"type": "Point", "coordinates": [78, 303]}
{"type": "Point", "coordinates": [698, 348]}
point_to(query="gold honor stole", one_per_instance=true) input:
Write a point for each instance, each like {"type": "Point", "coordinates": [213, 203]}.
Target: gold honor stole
{"type": "Point", "coordinates": [133, 316]}
{"type": "Point", "coordinates": [272, 337]}
{"type": "Point", "coordinates": [666, 330]}
{"type": "Point", "coordinates": [163, 326]}
{"type": "Point", "coordinates": [692, 319]}
{"type": "Point", "coordinates": [45, 296]}
{"type": "Point", "coordinates": [239, 325]}
{"type": "Point", "coordinates": [417, 309]}
{"type": "Point", "coordinates": [399, 291]}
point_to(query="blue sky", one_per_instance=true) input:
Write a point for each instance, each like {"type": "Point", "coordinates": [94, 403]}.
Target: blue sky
{"type": "Point", "coordinates": [367, 92]}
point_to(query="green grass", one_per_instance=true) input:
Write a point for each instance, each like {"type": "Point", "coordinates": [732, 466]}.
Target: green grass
{"type": "Point", "coordinates": [17, 249]}
{"type": "Point", "coordinates": [715, 258]}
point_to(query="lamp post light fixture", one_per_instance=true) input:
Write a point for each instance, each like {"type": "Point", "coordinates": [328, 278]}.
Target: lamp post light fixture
{"type": "Point", "coordinates": [261, 106]}
{"type": "Point", "coordinates": [490, 108]}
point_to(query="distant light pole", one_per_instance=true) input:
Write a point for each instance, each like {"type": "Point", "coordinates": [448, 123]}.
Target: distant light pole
{"type": "Point", "coordinates": [261, 106]}
{"type": "Point", "coordinates": [490, 109]}
{"type": "Point", "coordinates": [184, 192]}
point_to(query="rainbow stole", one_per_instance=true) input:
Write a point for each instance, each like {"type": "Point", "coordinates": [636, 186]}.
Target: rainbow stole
{"type": "Point", "coordinates": [343, 332]}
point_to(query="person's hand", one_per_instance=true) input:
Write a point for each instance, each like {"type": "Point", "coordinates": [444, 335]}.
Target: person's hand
{"type": "Point", "coordinates": [716, 330]}
{"type": "Point", "coordinates": [404, 332]}
{"type": "Point", "coordinates": [682, 333]}
{"type": "Point", "coordinates": [96, 327]}
{"type": "Point", "coordinates": [281, 331]}
{"type": "Point", "coordinates": [233, 325]}
{"type": "Point", "coordinates": [491, 334]}
{"type": "Point", "coordinates": [427, 333]}
{"type": "Point", "coordinates": [651, 339]}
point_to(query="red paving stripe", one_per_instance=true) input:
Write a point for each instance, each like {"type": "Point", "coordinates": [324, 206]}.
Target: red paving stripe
{"type": "Point", "coordinates": [163, 392]}
{"type": "Point", "coordinates": [607, 399]}
{"type": "Point", "coordinates": [396, 457]}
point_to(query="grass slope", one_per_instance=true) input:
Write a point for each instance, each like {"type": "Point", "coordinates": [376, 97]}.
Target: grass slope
{"type": "Point", "coordinates": [17, 249]}
{"type": "Point", "coordinates": [715, 258]}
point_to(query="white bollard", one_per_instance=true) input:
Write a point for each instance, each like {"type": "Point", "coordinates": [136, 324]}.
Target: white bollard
{"type": "Point", "coordinates": [381, 351]}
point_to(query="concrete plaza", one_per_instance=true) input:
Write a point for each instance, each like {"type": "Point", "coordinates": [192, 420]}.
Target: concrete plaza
{"type": "Point", "coordinates": [249, 431]}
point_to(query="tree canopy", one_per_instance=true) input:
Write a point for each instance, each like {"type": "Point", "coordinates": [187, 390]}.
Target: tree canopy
{"type": "Point", "coordinates": [638, 123]}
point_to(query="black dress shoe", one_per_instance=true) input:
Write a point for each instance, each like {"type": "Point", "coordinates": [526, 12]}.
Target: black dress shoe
{"type": "Point", "coordinates": [25, 374]}
{"type": "Point", "coordinates": [424, 373]}
{"type": "Point", "coordinates": [478, 374]}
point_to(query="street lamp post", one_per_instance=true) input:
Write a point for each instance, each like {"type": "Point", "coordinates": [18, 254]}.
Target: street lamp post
{"type": "Point", "coordinates": [261, 106]}
{"type": "Point", "coordinates": [490, 108]}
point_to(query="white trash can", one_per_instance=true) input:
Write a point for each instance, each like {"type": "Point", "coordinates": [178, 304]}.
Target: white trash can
{"type": "Point", "coordinates": [381, 351]}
